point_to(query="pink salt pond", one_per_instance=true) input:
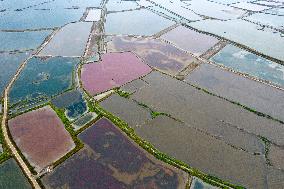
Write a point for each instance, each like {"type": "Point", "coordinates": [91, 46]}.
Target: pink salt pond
{"type": "Point", "coordinates": [114, 70]}
{"type": "Point", "coordinates": [41, 137]}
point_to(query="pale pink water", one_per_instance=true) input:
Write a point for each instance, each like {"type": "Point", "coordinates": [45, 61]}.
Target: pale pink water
{"type": "Point", "coordinates": [114, 70]}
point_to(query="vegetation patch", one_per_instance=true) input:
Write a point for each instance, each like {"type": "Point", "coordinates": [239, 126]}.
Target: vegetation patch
{"type": "Point", "coordinates": [123, 93]}
{"type": "Point", "coordinates": [5, 155]}
{"type": "Point", "coordinates": [267, 144]}
{"type": "Point", "coordinates": [153, 113]}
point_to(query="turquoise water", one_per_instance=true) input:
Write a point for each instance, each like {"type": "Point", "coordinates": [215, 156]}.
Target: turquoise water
{"type": "Point", "coordinates": [43, 78]}
{"type": "Point", "coordinates": [246, 62]}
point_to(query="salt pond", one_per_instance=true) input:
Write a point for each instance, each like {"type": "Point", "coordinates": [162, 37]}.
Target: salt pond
{"type": "Point", "coordinates": [268, 41]}
{"type": "Point", "coordinates": [11, 176]}
{"type": "Point", "coordinates": [9, 64]}
{"type": "Point", "coordinates": [11, 5]}
{"type": "Point", "coordinates": [41, 137]}
{"type": "Point", "coordinates": [120, 5]}
{"type": "Point", "coordinates": [250, 6]}
{"type": "Point", "coordinates": [70, 40]}
{"type": "Point", "coordinates": [84, 120]}
{"type": "Point", "coordinates": [137, 22]}
{"type": "Point", "coordinates": [269, 20]}
{"type": "Point", "coordinates": [154, 52]}
{"type": "Point", "coordinates": [12, 41]}
{"type": "Point", "coordinates": [72, 102]}
{"type": "Point", "coordinates": [69, 4]}
{"type": "Point", "coordinates": [189, 40]}
{"type": "Point", "coordinates": [104, 166]}
{"type": "Point", "coordinates": [212, 9]}
{"type": "Point", "coordinates": [178, 8]}
{"type": "Point", "coordinates": [43, 78]}
{"type": "Point", "coordinates": [251, 93]}
{"type": "Point", "coordinates": [245, 62]}
{"type": "Point", "coordinates": [114, 70]}
{"type": "Point", "coordinates": [38, 19]}
{"type": "Point", "coordinates": [276, 11]}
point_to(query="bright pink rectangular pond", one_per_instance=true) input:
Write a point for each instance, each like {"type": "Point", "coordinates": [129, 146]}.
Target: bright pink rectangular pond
{"type": "Point", "coordinates": [114, 70]}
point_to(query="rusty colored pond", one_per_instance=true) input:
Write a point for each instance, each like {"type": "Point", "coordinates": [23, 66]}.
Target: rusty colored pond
{"type": "Point", "coordinates": [110, 160]}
